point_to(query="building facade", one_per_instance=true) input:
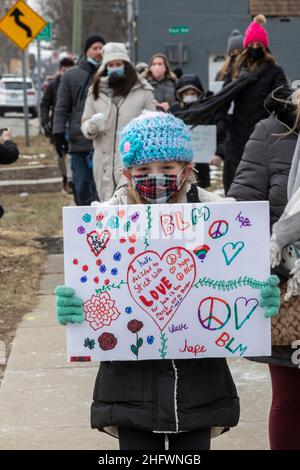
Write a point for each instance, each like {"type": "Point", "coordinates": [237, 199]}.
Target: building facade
{"type": "Point", "coordinates": [194, 33]}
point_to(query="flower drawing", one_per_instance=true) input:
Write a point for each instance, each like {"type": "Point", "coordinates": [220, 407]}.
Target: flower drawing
{"type": "Point", "coordinates": [100, 310]}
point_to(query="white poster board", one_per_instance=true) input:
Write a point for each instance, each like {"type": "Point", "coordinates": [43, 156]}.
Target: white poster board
{"type": "Point", "coordinates": [204, 142]}
{"type": "Point", "coordinates": [170, 281]}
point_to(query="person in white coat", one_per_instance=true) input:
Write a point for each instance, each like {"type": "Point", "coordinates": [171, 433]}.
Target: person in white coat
{"type": "Point", "coordinates": [117, 95]}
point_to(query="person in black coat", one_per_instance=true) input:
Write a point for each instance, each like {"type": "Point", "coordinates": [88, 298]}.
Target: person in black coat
{"type": "Point", "coordinates": [189, 92]}
{"type": "Point", "coordinates": [9, 153]}
{"type": "Point", "coordinates": [50, 96]}
{"type": "Point", "coordinates": [47, 113]}
{"type": "Point", "coordinates": [68, 112]}
{"type": "Point", "coordinates": [263, 175]}
{"type": "Point", "coordinates": [249, 104]}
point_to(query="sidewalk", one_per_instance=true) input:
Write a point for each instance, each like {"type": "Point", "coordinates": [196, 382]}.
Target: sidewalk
{"type": "Point", "coordinates": [45, 402]}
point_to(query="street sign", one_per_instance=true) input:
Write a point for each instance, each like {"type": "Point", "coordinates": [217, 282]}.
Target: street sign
{"type": "Point", "coordinates": [179, 30]}
{"type": "Point", "coordinates": [45, 34]}
{"type": "Point", "coordinates": [21, 24]}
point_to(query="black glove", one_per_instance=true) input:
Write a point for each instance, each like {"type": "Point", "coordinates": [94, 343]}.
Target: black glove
{"type": "Point", "coordinates": [1, 211]}
{"type": "Point", "coordinates": [47, 130]}
{"type": "Point", "coordinates": [61, 144]}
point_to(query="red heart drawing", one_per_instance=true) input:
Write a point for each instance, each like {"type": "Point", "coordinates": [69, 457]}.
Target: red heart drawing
{"type": "Point", "coordinates": [98, 241]}
{"type": "Point", "coordinates": [156, 287]}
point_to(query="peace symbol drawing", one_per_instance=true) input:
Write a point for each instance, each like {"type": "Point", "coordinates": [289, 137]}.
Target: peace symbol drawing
{"type": "Point", "coordinates": [218, 229]}
{"type": "Point", "coordinates": [213, 313]}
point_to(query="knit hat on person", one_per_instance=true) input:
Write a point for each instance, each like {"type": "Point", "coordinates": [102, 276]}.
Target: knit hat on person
{"type": "Point", "coordinates": [235, 41]}
{"type": "Point", "coordinates": [91, 40]}
{"type": "Point", "coordinates": [256, 32]}
{"type": "Point", "coordinates": [155, 136]}
{"type": "Point", "coordinates": [189, 81]}
{"type": "Point", "coordinates": [113, 51]}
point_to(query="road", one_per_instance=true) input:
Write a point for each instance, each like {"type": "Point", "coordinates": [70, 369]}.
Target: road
{"type": "Point", "coordinates": [15, 122]}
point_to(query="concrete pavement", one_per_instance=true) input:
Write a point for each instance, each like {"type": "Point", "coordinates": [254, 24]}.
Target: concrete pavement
{"type": "Point", "coordinates": [45, 402]}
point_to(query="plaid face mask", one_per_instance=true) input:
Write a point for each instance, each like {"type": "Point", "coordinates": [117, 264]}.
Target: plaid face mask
{"type": "Point", "coordinates": [157, 188]}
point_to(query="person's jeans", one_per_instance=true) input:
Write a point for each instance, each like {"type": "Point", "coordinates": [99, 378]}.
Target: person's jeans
{"type": "Point", "coordinates": [83, 180]}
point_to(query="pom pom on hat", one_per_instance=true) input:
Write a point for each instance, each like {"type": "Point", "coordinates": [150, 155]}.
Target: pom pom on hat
{"type": "Point", "coordinates": [155, 136]}
{"type": "Point", "coordinates": [260, 19]}
{"type": "Point", "coordinates": [256, 32]}
{"type": "Point", "coordinates": [235, 41]}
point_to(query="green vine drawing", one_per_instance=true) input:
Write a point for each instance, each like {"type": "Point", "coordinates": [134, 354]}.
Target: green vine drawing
{"type": "Point", "coordinates": [149, 226]}
{"type": "Point", "coordinates": [230, 285]}
{"type": "Point", "coordinates": [163, 350]}
{"type": "Point", "coordinates": [110, 286]}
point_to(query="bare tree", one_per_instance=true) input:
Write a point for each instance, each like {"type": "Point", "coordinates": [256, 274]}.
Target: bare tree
{"type": "Point", "coordinates": [107, 18]}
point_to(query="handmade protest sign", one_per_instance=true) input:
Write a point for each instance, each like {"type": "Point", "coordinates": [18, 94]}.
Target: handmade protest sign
{"type": "Point", "coordinates": [204, 142]}
{"type": "Point", "coordinates": [170, 281]}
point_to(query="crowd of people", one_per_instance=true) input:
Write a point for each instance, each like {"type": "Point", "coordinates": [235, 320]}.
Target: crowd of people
{"type": "Point", "coordinates": [103, 101]}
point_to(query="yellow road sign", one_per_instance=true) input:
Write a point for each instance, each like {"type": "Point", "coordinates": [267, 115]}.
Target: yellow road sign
{"type": "Point", "coordinates": [21, 24]}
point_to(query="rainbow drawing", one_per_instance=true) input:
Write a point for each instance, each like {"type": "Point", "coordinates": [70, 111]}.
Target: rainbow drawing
{"type": "Point", "coordinates": [201, 252]}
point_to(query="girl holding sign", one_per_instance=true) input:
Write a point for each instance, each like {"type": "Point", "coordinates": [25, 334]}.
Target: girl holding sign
{"type": "Point", "coordinates": [142, 402]}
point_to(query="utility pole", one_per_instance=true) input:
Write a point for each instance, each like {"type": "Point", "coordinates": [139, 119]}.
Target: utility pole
{"type": "Point", "coordinates": [131, 29]}
{"type": "Point", "coordinates": [77, 27]}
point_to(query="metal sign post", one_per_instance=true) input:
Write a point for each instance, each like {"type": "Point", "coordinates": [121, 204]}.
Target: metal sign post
{"type": "Point", "coordinates": [39, 85]}
{"type": "Point", "coordinates": [26, 116]}
{"type": "Point", "coordinates": [44, 35]}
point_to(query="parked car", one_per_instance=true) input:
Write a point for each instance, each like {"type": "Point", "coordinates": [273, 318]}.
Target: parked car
{"type": "Point", "coordinates": [12, 98]}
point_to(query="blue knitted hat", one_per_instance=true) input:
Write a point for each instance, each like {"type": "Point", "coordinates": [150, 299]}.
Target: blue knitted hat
{"type": "Point", "coordinates": [155, 136]}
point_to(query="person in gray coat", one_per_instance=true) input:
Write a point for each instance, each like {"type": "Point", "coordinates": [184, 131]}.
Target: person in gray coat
{"type": "Point", "coordinates": [68, 111]}
{"type": "Point", "coordinates": [163, 81]}
{"type": "Point", "coordinates": [263, 174]}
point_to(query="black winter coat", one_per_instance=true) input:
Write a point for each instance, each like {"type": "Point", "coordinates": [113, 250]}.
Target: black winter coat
{"type": "Point", "coordinates": [202, 169]}
{"type": "Point", "coordinates": [9, 153]}
{"type": "Point", "coordinates": [70, 103]}
{"type": "Point", "coordinates": [248, 111]}
{"type": "Point", "coordinates": [48, 102]}
{"type": "Point", "coordinates": [262, 175]}
{"type": "Point", "coordinates": [165, 395]}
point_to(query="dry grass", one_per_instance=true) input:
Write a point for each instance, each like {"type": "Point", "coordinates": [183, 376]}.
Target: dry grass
{"type": "Point", "coordinates": [41, 150]}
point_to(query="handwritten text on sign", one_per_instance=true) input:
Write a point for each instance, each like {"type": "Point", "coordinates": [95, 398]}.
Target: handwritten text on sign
{"type": "Point", "coordinates": [168, 281]}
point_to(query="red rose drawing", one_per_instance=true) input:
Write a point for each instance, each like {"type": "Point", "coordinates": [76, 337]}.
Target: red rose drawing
{"type": "Point", "coordinates": [107, 341]}
{"type": "Point", "coordinates": [100, 310]}
{"type": "Point", "coordinates": [135, 325]}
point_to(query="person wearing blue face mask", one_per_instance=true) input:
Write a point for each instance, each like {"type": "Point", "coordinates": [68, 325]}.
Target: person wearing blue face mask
{"type": "Point", "coordinates": [117, 95]}
{"type": "Point", "coordinates": [68, 111]}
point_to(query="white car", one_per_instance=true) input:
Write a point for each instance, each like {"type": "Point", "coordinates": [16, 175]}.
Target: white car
{"type": "Point", "coordinates": [12, 98]}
